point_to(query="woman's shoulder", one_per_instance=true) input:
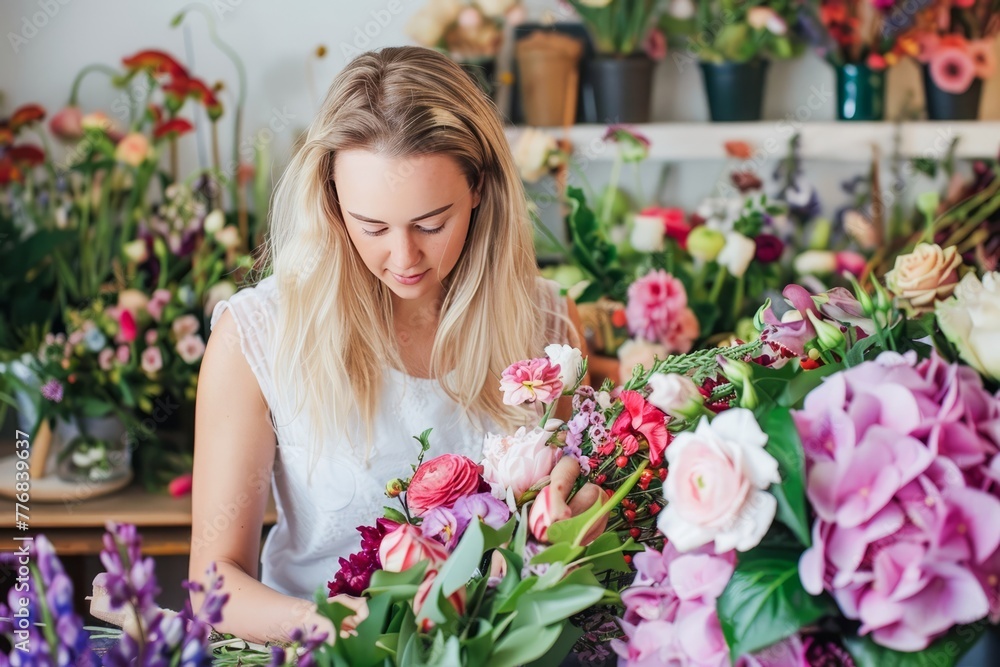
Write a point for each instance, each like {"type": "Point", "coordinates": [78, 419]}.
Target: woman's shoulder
{"type": "Point", "coordinates": [252, 305]}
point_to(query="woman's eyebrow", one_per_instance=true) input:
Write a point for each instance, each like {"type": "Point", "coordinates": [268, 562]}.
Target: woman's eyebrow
{"type": "Point", "coordinates": [416, 219]}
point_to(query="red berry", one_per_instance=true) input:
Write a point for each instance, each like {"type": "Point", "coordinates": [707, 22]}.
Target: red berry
{"type": "Point", "coordinates": [662, 472]}
{"type": "Point", "coordinates": [635, 533]}
{"type": "Point", "coordinates": [653, 509]}
{"type": "Point", "coordinates": [628, 504]}
{"type": "Point", "coordinates": [628, 558]}
{"type": "Point", "coordinates": [600, 479]}
{"type": "Point", "coordinates": [629, 515]}
{"type": "Point", "coordinates": [621, 461]}
{"type": "Point", "coordinates": [643, 483]}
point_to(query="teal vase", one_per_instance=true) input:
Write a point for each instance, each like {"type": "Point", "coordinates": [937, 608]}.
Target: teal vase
{"type": "Point", "coordinates": [860, 92]}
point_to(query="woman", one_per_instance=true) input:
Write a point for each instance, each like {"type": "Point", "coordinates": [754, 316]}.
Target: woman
{"type": "Point", "coordinates": [404, 282]}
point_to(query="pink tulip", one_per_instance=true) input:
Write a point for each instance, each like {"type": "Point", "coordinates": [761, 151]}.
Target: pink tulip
{"type": "Point", "coordinates": [406, 546]}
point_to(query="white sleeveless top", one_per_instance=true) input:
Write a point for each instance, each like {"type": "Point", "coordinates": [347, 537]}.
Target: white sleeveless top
{"type": "Point", "coordinates": [317, 519]}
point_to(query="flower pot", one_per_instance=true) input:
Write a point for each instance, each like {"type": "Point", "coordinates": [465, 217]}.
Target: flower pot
{"type": "Point", "coordinates": [622, 88]}
{"type": "Point", "coordinates": [860, 92]}
{"type": "Point", "coordinates": [735, 90]}
{"type": "Point", "coordinates": [92, 449]}
{"type": "Point", "coordinates": [483, 72]}
{"type": "Point", "coordinates": [548, 67]}
{"type": "Point", "coordinates": [942, 105]}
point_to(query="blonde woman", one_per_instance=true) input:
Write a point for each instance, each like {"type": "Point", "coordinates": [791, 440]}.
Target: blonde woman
{"type": "Point", "coordinates": [403, 281]}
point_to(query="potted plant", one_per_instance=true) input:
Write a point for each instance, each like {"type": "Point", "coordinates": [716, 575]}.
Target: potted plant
{"type": "Point", "coordinates": [955, 41]}
{"type": "Point", "coordinates": [627, 44]}
{"type": "Point", "coordinates": [732, 42]}
{"type": "Point", "coordinates": [470, 32]}
{"type": "Point", "coordinates": [860, 39]}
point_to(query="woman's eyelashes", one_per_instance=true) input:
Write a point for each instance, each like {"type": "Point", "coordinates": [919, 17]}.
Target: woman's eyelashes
{"type": "Point", "coordinates": [423, 230]}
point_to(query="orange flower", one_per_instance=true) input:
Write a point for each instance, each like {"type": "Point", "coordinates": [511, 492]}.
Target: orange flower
{"type": "Point", "coordinates": [983, 58]}
{"type": "Point", "coordinates": [156, 62]}
{"type": "Point", "coordinates": [174, 127]}
{"type": "Point", "coordinates": [29, 113]}
{"type": "Point", "coordinates": [741, 150]}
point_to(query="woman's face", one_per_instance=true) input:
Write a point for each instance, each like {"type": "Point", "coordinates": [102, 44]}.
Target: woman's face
{"type": "Point", "coordinates": [407, 217]}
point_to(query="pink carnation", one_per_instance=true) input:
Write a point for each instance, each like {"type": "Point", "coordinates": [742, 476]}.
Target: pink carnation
{"type": "Point", "coordinates": [657, 311]}
{"type": "Point", "coordinates": [531, 380]}
{"type": "Point", "coordinates": [901, 464]}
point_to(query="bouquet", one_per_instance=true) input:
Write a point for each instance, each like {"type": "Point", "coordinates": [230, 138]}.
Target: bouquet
{"type": "Point", "coordinates": [469, 31]}
{"type": "Point", "coordinates": [860, 32]}
{"type": "Point", "coordinates": [720, 31]}
{"type": "Point", "coordinates": [955, 42]}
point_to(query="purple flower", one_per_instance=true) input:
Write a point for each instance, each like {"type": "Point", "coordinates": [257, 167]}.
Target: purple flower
{"type": "Point", "coordinates": [53, 391]}
{"type": "Point", "coordinates": [355, 571]}
{"type": "Point", "coordinates": [441, 524]}
{"type": "Point", "coordinates": [483, 506]}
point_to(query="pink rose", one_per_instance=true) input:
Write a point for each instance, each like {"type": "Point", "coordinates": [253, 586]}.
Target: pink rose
{"type": "Point", "coordinates": [457, 599]}
{"type": "Point", "coordinates": [406, 546]}
{"type": "Point", "coordinates": [152, 360]}
{"type": "Point", "coordinates": [512, 464]}
{"type": "Point", "coordinates": [185, 325]}
{"type": "Point", "coordinates": [531, 380]}
{"type": "Point", "coordinates": [716, 490]}
{"type": "Point", "coordinates": [191, 348]}
{"type": "Point", "coordinates": [924, 276]}
{"type": "Point", "coordinates": [161, 298]}
{"type": "Point", "coordinates": [440, 482]}
{"type": "Point", "coordinates": [152, 335]}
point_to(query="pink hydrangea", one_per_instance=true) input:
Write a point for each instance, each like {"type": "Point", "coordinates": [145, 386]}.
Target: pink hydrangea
{"type": "Point", "coordinates": [531, 380]}
{"type": "Point", "coordinates": [657, 311]}
{"type": "Point", "coordinates": [670, 615]}
{"type": "Point", "coordinates": [902, 471]}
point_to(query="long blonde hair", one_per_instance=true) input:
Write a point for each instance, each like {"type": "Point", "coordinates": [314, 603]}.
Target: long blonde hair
{"type": "Point", "coordinates": [335, 333]}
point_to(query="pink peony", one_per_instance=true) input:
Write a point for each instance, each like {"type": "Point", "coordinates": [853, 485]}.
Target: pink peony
{"type": "Point", "coordinates": [531, 380]}
{"type": "Point", "coordinates": [185, 325]}
{"type": "Point", "coordinates": [512, 464]}
{"type": "Point", "coordinates": [191, 348]}
{"type": "Point", "coordinates": [440, 482]}
{"type": "Point", "coordinates": [899, 459]}
{"type": "Point", "coordinates": [657, 311]}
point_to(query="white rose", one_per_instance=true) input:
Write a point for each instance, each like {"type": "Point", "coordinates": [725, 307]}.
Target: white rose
{"type": "Point", "coordinates": [737, 253]}
{"type": "Point", "coordinates": [637, 351]}
{"type": "Point", "coordinates": [970, 319]}
{"type": "Point", "coordinates": [675, 394]}
{"type": "Point", "coordinates": [570, 361]}
{"type": "Point", "coordinates": [716, 490]}
{"type": "Point", "coordinates": [531, 153]}
{"type": "Point", "coordinates": [647, 233]}
{"type": "Point", "coordinates": [816, 262]}
{"type": "Point", "coordinates": [512, 464]}
{"type": "Point", "coordinates": [681, 9]}
{"type": "Point", "coordinates": [496, 8]}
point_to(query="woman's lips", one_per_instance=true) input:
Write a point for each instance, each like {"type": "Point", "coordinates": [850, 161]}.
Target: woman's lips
{"type": "Point", "coordinates": [409, 280]}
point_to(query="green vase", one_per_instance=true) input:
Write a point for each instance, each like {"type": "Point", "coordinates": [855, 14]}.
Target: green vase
{"type": "Point", "coordinates": [860, 92]}
{"type": "Point", "coordinates": [735, 90]}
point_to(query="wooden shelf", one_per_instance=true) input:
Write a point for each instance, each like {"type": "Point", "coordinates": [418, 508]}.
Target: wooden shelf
{"type": "Point", "coordinates": [836, 141]}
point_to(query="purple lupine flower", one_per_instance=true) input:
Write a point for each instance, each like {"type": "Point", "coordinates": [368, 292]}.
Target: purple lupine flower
{"type": "Point", "coordinates": [53, 391]}
{"type": "Point", "coordinates": [309, 642]}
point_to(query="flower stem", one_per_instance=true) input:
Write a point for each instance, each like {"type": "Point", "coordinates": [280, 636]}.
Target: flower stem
{"type": "Point", "coordinates": [611, 502]}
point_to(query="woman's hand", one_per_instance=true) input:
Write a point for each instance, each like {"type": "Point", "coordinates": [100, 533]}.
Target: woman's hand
{"type": "Point", "coordinates": [350, 624]}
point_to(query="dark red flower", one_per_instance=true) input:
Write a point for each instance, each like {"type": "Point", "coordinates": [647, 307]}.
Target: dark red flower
{"type": "Point", "coordinates": [174, 127]}
{"type": "Point", "coordinates": [155, 62]}
{"type": "Point", "coordinates": [29, 113]}
{"type": "Point", "coordinates": [769, 248]}
{"type": "Point", "coordinates": [745, 181]}
{"type": "Point", "coordinates": [640, 418]}
{"type": "Point", "coordinates": [28, 154]}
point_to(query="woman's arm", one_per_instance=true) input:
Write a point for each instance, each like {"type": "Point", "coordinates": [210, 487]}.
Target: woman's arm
{"type": "Point", "coordinates": [233, 458]}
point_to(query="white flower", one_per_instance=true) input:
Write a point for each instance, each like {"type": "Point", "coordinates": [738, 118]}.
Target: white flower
{"type": "Point", "coordinates": [603, 400]}
{"type": "Point", "coordinates": [136, 251]}
{"type": "Point", "coordinates": [531, 153]}
{"type": "Point", "coordinates": [228, 237]}
{"type": "Point", "coordinates": [716, 490]}
{"type": "Point", "coordinates": [570, 361]}
{"type": "Point", "coordinates": [970, 319]}
{"type": "Point", "coordinates": [676, 395]}
{"type": "Point", "coordinates": [647, 233]}
{"type": "Point", "coordinates": [214, 221]}
{"type": "Point", "coordinates": [191, 348]}
{"type": "Point", "coordinates": [737, 253]}
{"type": "Point", "coordinates": [681, 9]}
{"type": "Point", "coordinates": [218, 292]}
{"type": "Point", "coordinates": [815, 262]}
{"type": "Point", "coordinates": [512, 464]}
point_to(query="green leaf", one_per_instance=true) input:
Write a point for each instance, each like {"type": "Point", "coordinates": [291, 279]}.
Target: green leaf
{"type": "Point", "coordinates": [398, 584]}
{"type": "Point", "coordinates": [573, 530]}
{"type": "Point", "coordinates": [555, 604]}
{"type": "Point", "coordinates": [799, 386]}
{"type": "Point", "coordinates": [558, 553]}
{"type": "Point", "coordinates": [560, 649]}
{"type": "Point", "coordinates": [944, 652]}
{"type": "Point", "coordinates": [393, 514]}
{"type": "Point", "coordinates": [784, 444]}
{"type": "Point", "coordinates": [765, 602]}
{"type": "Point", "coordinates": [524, 645]}
{"type": "Point", "coordinates": [856, 354]}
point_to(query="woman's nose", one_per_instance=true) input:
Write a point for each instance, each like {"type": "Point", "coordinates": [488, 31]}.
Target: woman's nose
{"type": "Point", "coordinates": [405, 251]}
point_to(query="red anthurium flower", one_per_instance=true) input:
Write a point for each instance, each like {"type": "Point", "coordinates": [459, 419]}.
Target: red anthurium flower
{"type": "Point", "coordinates": [640, 418]}
{"type": "Point", "coordinates": [29, 113]}
{"type": "Point", "coordinates": [174, 127]}
{"type": "Point", "coordinates": [157, 62]}
{"type": "Point", "coordinates": [28, 154]}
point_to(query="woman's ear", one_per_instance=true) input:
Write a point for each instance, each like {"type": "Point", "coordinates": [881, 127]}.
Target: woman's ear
{"type": "Point", "coordinates": [477, 192]}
